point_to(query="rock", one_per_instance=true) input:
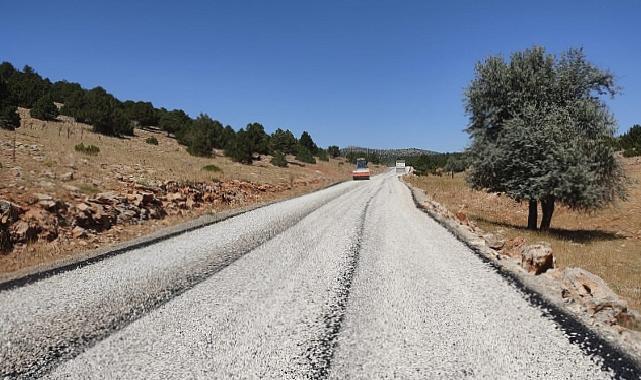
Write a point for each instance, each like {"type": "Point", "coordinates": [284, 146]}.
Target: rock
{"type": "Point", "coordinates": [494, 241]}
{"type": "Point", "coordinates": [513, 246]}
{"type": "Point", "coordinates": [68, 176]}
{"type": "Point", "coordinates": [176, 197]}
{"type": "Point", "coordinates": [594, 294]}
{"type": "Point", "coordinates": [83, 207]}
{"type": "Point", "coordinates": [145, 197]}
{"type": "Point", "coordinates": [43, 197]}
{"type": "Point", "coordinates": [23, 232]}
{"type": "Point", "coordinates": [71, 188]}
{"type": "Point", "coordinates": [537, 258]}
{"type": "Point", "coordinates": [78, 233]}
{"type": "Point", "coordinates": [461, 217]}
{"type": "Point", "coordinates": [9, 212]}
{"type": "Point", "coordinates": [107, 197]}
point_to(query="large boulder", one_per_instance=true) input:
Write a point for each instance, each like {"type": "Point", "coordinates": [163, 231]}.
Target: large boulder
{"type": "Point", "coordinates": [594, 294]}
{"type": "Point", "coordinates": [537, 258]}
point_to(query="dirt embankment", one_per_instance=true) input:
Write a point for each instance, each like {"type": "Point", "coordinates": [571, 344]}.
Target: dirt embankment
{"type": "Point", "coordinates": [56, 201]}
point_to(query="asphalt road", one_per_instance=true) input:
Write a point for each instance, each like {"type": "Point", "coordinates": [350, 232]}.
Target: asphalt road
{"type": "Point", "coordinates": [350, 282]}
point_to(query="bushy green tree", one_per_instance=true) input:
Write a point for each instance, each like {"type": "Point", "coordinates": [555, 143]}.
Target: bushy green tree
{"type": "Point", "coordinates": [44, 109]}
{"type": "Point", "coordinates": [333, 151]}
{"type": "Point", "coordinates": [173, 121]}
{"type": "Point", "coordinates": [283, 141]}
{"type": "Point", "coordinates": [240, 149]}
{"type": "Point", "coordinates": [9, 118]}
{"type": "Point", "coordinates": [141, 112]}
{"type": "Point", "coordinates": [62, 90]}
{"type": "Point", "coordinates": [258, 139]}
{"type": "Point", "coordinates": [27, 87]}
{"type": "Point", "coordinates": [202, 135]}
{"type": "Point", "coordinates": [322, 155]}
{"type": "Point", "coordinates": [304, 155]}
{"type": "Point", "coordinates": [630, 141]}
{"type": "Point", "coordinates": [306, 141]}
{"type": "Point", "coordinates": [540, 132]}
{"type": "Point", "coordinates": [279, 159]}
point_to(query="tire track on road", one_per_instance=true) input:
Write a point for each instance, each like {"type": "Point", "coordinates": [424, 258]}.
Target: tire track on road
{"type": "Point", "coordinates": [321, 350]}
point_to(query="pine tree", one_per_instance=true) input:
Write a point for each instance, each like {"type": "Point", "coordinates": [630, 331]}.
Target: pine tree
{"type": "Point", "coordinates": [44, 109]}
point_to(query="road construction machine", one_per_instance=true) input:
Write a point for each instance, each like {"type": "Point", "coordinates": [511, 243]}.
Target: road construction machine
{"type": "Point", "coordinates": [361, 171]}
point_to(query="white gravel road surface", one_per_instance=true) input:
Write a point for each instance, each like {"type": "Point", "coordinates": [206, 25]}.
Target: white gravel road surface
{"type": "Point", "coordinates": [350, 282]}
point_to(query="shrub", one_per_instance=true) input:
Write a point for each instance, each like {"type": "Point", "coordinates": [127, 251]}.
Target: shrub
{"type": "Point", "coordinates": [632, 152]}
{"type": "Point", "coordinates": [152, 140]}
{"type": "Point", "coordinates": [44, 109]}
{"type": "Point", "coordinates": [211, 168]}
{"type": "Point", "coordinates": [90, 150]}
{"type": "Point", "coordinates": [334, 151]}
{"type": "Point", "coordinates": [304, 155]}
{"type": "Point", "coordinates": [9, 119]}
{"type": "Point", "coordinates": [322, 155]}
{"type": "Point", "coordinates": [279, 159]}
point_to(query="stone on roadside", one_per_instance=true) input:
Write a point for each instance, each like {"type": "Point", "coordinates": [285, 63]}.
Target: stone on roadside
{"type": "Point", "coordinates": [594, 294]}
{"type": "Point", "coordinates": [494, 241]}
{"type": "Point", "coordinates": [78, 233]}
{"type": "Point", "coordinates": [537, 258]}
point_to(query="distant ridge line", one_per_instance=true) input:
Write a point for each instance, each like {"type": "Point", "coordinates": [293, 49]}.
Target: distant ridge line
{"type": "Point", "coordinates": [400, 152]}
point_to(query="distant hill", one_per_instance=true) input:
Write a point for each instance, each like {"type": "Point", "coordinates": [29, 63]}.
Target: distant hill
{"type": "Point", "coordinates": [390, 153]}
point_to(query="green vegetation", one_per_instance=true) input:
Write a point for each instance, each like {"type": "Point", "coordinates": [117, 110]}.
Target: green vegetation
{"type": "Point", "coordinates": [151, 140]}
{"type": "Point", "coordinates": [630, 142]}
{"type": "Point", "coordinates": [333, 151]}
{"type": "Point", "coordinates": [44, 109]}
{"type": "Point", "coordinates": [211, 168]}
{"type": "Point", "coordinates": [307, 142]}
{"type": "Point", "coordinates": [304, 155]}
{"type": "Point", "coordinates": [279, 159]}
{"type": "Point", "coordinates": [433, 163]}
{"type": "Point", "coordinates": [283, 141]}
{"type": "Point", "coordinates": [90, 150]}
{"type": "Point", "coordinates": [541, 132]}
{"type": "Point", "coordinates": [322, 155]}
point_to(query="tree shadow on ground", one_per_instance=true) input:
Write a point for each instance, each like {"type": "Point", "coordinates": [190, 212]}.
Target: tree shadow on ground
{"type": "Point", "coordinates": [577, 236]}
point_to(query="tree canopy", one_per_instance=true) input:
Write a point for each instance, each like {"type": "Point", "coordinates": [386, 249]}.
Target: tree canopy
{"type": "Point", "coordinates": [540, 131]}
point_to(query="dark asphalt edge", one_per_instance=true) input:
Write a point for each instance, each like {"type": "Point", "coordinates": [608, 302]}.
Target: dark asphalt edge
{"type": "Point", "coordinates": [33, 274]}
{"type": "Point", "coordinates": [613, 357]}
{"type": "Point", "coordinates": [68, 352]}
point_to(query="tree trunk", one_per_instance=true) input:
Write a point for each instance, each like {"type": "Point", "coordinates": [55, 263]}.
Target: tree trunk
{"type": "Point", "coordinates": [533, 215]}
{"type": "Point", "coordinates": [547, 207]}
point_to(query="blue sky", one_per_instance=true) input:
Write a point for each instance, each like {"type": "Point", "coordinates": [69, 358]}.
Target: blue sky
{"type": "Point", "coordinates": [374, 73]}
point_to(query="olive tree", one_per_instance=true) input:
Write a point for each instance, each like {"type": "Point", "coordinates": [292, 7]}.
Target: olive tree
{"type": "Point", "coordinates": [541, 132]}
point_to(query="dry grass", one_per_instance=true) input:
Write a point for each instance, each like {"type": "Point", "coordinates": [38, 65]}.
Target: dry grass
{"type": "Point", "coordinates": [53, 154]}
{"type": "Point", "coordinates": [607, 242]}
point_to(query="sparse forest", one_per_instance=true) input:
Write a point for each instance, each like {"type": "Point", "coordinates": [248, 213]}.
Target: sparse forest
{"type": "Point", "coordinates": [110, 116]}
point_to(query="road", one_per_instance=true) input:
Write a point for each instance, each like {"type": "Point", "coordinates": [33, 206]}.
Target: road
{"type": "Point", "coordinates": [349, 282]}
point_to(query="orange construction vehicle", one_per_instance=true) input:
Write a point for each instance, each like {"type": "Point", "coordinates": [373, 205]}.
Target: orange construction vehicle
{"type": "Point", "coordinates": [362, 171]}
